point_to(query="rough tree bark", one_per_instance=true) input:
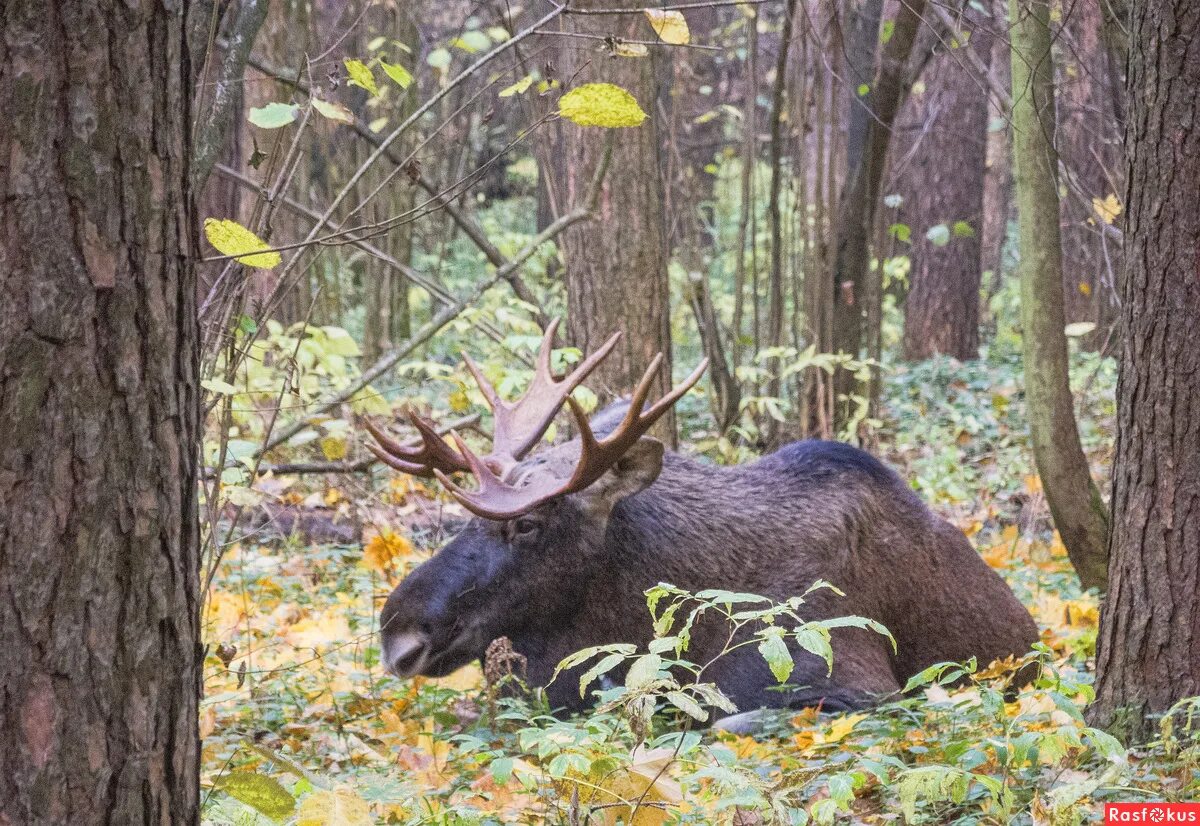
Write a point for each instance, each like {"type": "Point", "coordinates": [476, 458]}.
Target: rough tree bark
{"type": "Point", "coordinates": [1075, 503]}
{"type": "Point", "coordinates": [945, 189]}
{"type": "Point", "coordinates": [616, 265]}
{"type": "Point", "coordinates": [99, 569]}
{"type": "Point", "coordinates": [1149, 649]}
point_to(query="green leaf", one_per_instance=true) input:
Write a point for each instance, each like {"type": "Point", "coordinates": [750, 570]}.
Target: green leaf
{"type": "Point", "coordinates": [273, 115]}
{"type": "Point", "coordinates": [439, 59]}
{"type": "Point", "coordinates": [601, 104]}
{"type": "Point", "coordinates": [938, 235]}
{"type": "Point", "coordinates": [259, 792]}
{"type": "Point", "coordinates": [901, 232]}
{"type": "Point", "coordinates": [601, 668]}
{"type": "Point", "coordinates": [397, 73]}
{"type": "Point", "coordinates": [501, 769]}
{"type": "Point", "coordinates": [361, 75]}
{"type": "Point", "coordinates": [713, 696]}
{"type": "Point", "coordinates": [814, 638]}
{"type": "Point", "coordinates": [860, 622]}
{"type": "Point", "coordinates": [863, 90]}
{"type": "Point", "coordinates": [687, 705]}
{"type": "Point", "coordinates": [644, 670]}
{"type": "Point", "coordinates": [472, 41]}
{"type": "Point", "coordinates": [775, 651]}
{"type": "Point", "coordinates": [963, 229]}
{"type": "Point", "coordinates": [585, 654]}
{"type": "Point", "coordinates": [231, 238]}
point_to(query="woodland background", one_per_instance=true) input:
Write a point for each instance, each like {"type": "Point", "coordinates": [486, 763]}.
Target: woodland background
{"type": "Point", "coordinates": [948, 232]}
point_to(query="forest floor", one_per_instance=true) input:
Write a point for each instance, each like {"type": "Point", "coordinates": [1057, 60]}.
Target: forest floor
{"type": "Point", "coordinates": [302, 725]}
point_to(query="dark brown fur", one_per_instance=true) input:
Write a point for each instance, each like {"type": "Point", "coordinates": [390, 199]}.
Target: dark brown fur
{"type": "Point", "coordinates": [572, 574]}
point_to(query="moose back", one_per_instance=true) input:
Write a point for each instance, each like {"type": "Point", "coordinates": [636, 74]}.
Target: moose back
{"type": "Point", "coordinates": [567, 540]}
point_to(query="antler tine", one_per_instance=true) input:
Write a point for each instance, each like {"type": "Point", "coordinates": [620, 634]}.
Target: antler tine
{"type": "Point", "coordinates": [519, 425]}
{"type": "Point", "coordinates": [433, 453]}
{"type": "Point", "coordinates": [546, 347]}
{"type": "Point", "coordinates": [495, 499]}
{"type": "Point", "coordinates": [597, 455]}
{"type": "Point", "coordinates": [498, 499]}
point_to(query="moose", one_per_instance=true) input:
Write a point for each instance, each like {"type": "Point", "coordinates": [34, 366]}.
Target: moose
{"type": "Point", "coordinates": [566, 540]}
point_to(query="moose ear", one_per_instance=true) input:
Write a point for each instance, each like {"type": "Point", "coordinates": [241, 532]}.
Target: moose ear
{"type": "Point", "coordinates": [633, 472]}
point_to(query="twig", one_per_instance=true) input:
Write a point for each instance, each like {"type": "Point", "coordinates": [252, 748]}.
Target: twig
{"type": "Point", "coordinates": [617, 41]}
{"type": "Point", "coordinates": [469, 227]}
{"type": "Point", "coordinates": [408, 122]}
{"type": "Point", "coordinates": [360, 465]}
{"type": "Point", "coordinates": [712, 4]}
{"type": "Point", "coordinates": [449, 313]}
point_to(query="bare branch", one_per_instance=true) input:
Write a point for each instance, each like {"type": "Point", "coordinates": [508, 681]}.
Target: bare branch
{"type": "Point", "coordinates": [447, 314]}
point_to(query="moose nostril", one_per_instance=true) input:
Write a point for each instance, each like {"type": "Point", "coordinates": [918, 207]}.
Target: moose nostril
{"type": "Point", "coordinates": [404, 654]}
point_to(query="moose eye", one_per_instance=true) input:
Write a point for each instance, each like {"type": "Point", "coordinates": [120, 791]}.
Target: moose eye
{"type": "Point", "coordinates": [525, 528]}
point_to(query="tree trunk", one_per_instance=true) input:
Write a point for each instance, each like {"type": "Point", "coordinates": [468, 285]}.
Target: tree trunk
{"type": "Point", "coordinates": [1075, 503]}
{"type": "Point", "coordinates": [997, 183]}
{"type": "Point", "coordinates": [99, 568]}
{"type": "Point", "coordinates": [872, 113]}
{"type": "Point", "coordinates": [616, 265]}
{"type": "Point", "coordinates": [945, 196]}
{"type": "Point", "coordinates": [1149, 649]}
{"type": "Point", "coordinates": [1090, 149]}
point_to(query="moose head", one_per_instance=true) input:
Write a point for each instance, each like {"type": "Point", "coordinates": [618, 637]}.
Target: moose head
{"type": "Point", "coordinates": [540, 519]}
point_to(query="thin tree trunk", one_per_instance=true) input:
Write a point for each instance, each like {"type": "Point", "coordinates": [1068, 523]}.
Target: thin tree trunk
{"type": "Point", "coordinates": [1089, 143]}
{"type": "Point", "coordinates": [1148, 656]}
{"type": "Point", "coordinates": [869, 132]}
{"type": "Point", "coordinates": [945, 195]}
{"type": "Point", "coordinates": [99, 566]}
{"type": "Point", "coordinates": [775, 309]}
{"type": "Point", "coordinates": [997, 184]}
{"type": "Point", "coordinates": [1075, 503]}
{"type": "Point", "coordinates": [616, 266]}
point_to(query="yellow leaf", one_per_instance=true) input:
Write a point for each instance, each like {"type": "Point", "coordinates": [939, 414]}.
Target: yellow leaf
{"type": "Point", "coordinates": [383, 549]}
{"type": "Point", "coordinates": [1085, 288]}
{"type": "Point", "coordinates": [361, 75]}
{"type": "Point", "coordinates": [334, 448]}
{"type": "Point", "coordinates": [333, 111]}
{"type": "Point", "coordinates": [1107, 208]}
{"type": "Point", "coordinates": [518, 88]}
{"type": "Point", "coordinates": [621, 48]}
{"type": "Point", "coordinates": [601, 104]}
{"type": "Point", "coordinates": [670, 26]}
{"type": "Point", "coordinates": [340, 807]}
{"type": "Point", "coordinates": [842, 726]}
{"type": "Point", "coordinates": [397, 73]}
{"type": "Point", "coordinates": [647, 778]}
{"type": "Point", "coordinates": [231, 238]}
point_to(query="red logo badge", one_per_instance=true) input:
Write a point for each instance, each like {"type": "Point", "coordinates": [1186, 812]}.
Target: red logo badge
{"type": "Point", "coordinates": [1152, 813]}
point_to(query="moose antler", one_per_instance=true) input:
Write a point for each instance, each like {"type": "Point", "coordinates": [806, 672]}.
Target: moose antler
{"type": "Point", "coordinates": [433, 453]}
{"type": "Point", "coordinates": [500, 499]}
{"type": "Point", "coordinates": [518, 427]}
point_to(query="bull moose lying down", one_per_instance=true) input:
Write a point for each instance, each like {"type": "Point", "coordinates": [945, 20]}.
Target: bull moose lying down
{"type": "Point", "coordinates": [567, 540]}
